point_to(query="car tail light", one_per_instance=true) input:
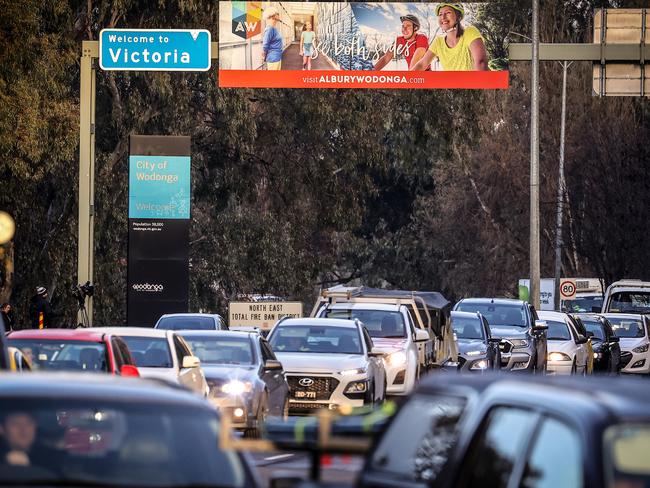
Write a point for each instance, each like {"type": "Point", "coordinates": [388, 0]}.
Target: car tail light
{"type": "Point", "coordinates": [129, 370]}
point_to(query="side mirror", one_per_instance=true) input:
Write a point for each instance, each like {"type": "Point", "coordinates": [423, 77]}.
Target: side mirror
{"type": "Point", "coordinates": [540, 325]}
{"type": "Point", "coordinates": [589, 335]}
{"type": "Point", "coordinates": [614, 339]}
{"type": "Point", "coordinates": [494, 340]}
{"type": "Point", "coordinates": [581, 340]}
{"type": "Point", "coordinates": [191, 362]}
{"type": "Point", "coordinates": [376, 354]}
{"type": "Point", "coordinates": [129, 370]}
{"type": "Point", "coordinates": [273, 365]}
{"type": "Point", "coordinates": [421, 335]}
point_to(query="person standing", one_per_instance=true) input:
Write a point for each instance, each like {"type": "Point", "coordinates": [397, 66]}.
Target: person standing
{"type": "Point", "coordinates": [7, 316]}
{"type": "Point", "coordinates": [40, 311]}
{"type": "Point", "coordinates": [272, 43]}
{"type": "Point", "coordinates": [461, 48]}
{"type": "Point", "coordinates": [307, 45]}
{"type": "Point", "coordinates": [413, 45]}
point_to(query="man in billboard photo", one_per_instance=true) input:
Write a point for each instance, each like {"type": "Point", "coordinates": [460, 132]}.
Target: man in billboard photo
{"type": "Point", "coordinates": [414, 45]}
{"type": "Point", "coordinates": [272, 41]}
{"type": "Point", "coordinates": [461, 48]}
{"type": "Point", "coordinates": [307, 45]}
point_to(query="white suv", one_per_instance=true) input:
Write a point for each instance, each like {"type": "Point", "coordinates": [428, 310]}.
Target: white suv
{"type": "Point", "coordinates": [328, 363]}
{"type": "Point", "coordinates": [392, 331]}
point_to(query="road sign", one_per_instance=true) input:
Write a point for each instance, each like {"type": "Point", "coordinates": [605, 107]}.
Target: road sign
{"type": "Point", "coordinates": [261, 314]}
{"type": "Point", "coordinates": [567, 289]}
{"type": "Point", "coordinates": [154, 49]}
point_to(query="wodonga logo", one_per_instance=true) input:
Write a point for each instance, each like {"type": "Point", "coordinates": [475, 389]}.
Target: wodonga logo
{"type": "Point", "coordinates": [246, 19]}
{"type": "Point", "coordinates": [148, 287]}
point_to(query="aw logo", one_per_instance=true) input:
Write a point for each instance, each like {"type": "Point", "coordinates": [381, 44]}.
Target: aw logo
{"type": "Point", "coordinates": [246, 19]}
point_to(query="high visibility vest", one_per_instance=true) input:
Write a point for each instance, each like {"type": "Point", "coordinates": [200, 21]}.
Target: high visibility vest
{"type": "Point", "coordinates": [41, 317]}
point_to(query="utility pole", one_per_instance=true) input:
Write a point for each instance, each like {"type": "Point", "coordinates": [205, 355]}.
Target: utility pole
{"type": "Point", "coordinates": [561, 191]}
{"type": "Point", "coordinates": [534, 165]}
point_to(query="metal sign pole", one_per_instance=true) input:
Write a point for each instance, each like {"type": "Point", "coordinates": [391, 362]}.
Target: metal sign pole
{"type": "Point", "coordinates": [534, 165]}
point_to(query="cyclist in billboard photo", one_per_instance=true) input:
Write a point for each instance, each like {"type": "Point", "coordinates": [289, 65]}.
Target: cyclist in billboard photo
{"type": "Point", "coordinates": [461, 48]}
{"type": "Point", "coordinates": [414, 45]}
{"type": "Point", "coordinates": [307, 45]}
{"type": "Point", "coordinates": [272, 41]}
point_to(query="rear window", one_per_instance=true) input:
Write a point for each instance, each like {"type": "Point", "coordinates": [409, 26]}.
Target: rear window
{"type": "Point", "coordinates": [51, 355]}
{"type": "Point", "coordinates": [186, 323]}
{"type": "Point", "coordinates": [626, 455]}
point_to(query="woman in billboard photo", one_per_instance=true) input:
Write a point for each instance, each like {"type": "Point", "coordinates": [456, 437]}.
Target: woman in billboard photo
{"type": "Point", "coordinates": [461, 48]}
{"type": "Point", "coordinates": [307, 45]}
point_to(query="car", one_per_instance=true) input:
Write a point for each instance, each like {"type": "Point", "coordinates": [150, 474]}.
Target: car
{"type": "Point", "coordinates": [523, 336]}
{"type": "Point", "coordinates": [477, 349]}
{"type": "Point", "coordinates": [328, 363]}
{"type": "Point", "coordinates": [75, 429]}
{"type": "Point", "coordinates": [583, 302]}
{"type": "Point", "coordinates": [191, 321]}
{"type": "Point", "coordinates": [567, 349]}
{"type": "Point", "coordinates": [245, 379]}
{"type": "Point", "coordinates": [85, 350]}
{"type": "Point", "coordinates": [632, 331]}
{"type": "Point", "coordinates": [163, 355]}
{"type": "Point", "coordinates": [551, 432]}
{"type": "Point", "coordinates": [627, 296]}
{"type": "Point", "coordinates": [18, 362]}
{"type": "Point", "coordinates": [607, 350]}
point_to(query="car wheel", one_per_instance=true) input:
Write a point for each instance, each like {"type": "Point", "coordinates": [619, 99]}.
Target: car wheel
{"type": "Point", "coordinates": [285, 410]}
{"type": "Point", "coordinates": [262, 412]}
{"type": "Point", "coordinates": [574, 368]}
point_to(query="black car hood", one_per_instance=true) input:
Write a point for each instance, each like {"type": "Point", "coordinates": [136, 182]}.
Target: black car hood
{"type": "Point", "coordinates": [466, 345]}
{"type": "Point", "coordinates": [508, 332]}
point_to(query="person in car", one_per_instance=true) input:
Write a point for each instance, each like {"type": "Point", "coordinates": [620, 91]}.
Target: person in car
{"type": "Point", "coordinates": [461, 48]}
{"type": "Point", "coordinates": [19, 443]}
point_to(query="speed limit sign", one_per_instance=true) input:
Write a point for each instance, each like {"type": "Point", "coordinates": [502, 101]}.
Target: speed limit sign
{"type": "Point", "coordinates": [567, 289]}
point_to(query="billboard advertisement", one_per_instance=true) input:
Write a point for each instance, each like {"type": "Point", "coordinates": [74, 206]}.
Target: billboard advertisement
{"type": "Point", "coordinates": [159, 225]}
{"type": "Point", "coordinates": [356, 45]}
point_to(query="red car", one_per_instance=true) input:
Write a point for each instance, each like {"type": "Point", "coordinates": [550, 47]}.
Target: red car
{"type": "Point", "coordinates": [74, 350]}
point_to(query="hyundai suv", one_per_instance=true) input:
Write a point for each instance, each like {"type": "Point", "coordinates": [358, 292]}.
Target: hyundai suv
{"type": "Point", "coordinates": [523, 336]}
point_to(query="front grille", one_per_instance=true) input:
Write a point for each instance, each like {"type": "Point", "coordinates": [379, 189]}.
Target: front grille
{"type": "Point", "coordinates": [626, 357]}
{"type": "Point", "coordinates": [505, 346]}
{"type": "Point", "coordinates": [323, 386]}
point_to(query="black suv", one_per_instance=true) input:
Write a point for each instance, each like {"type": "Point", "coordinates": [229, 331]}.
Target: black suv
{"type": "Point", "coordinates": [515, 322]}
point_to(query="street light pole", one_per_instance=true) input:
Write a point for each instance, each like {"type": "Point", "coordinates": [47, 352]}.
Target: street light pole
{"type": "Point", "coordinates": [534, 165]}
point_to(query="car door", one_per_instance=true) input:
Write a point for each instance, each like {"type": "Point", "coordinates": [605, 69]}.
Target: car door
{"type": "Point", "coordinates": [587, 348]}
{"type": "Point", "coordinates": [494, 353]}
{"type": "Point", "coordinates": [375, 365]}
{"type": "Point", "coordinates": [275, 381]}
{"type": "Point", "coordinates": [189, 377]}
{"type": "Point", "coordinates": [540, 340]}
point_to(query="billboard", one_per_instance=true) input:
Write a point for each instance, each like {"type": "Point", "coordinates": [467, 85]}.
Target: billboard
{"type": "Point", "coordinates": [356, 45]}
{"type": "Point", "coordinates": [159, 224]}
{"type": "Point", "coordinates": [243, 315]}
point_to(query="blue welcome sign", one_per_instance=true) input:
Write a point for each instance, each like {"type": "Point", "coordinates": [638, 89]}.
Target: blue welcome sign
{"type": "Point", "coordinates": [154, 49]}
{"type": "Point", "coordinates": [159, 187]}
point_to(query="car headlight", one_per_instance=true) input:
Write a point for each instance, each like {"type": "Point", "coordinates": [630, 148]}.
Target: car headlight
{"type": "Point", "coordinates": [598, 355]}
{"type": "Point", "coordinates": [558, 356]}
{"type": "Point", "coordinates": [397, 358]}
{"type": "Point", "coordinates": [474, 353]}
{"type": "Point", "coordinates": [236, 387]}
{"type": "Point", "coordinates": [642, 348]}
{"type": "Point", "coordinates": [350, 372]}
{"type": "Point", "coordinates": [357, 387]}
{"type": "Point", "coordinates": [480, 365]}
{"type": "Point", "coordinates": [519, 342]}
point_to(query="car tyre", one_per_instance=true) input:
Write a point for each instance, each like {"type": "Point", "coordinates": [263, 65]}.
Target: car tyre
{"type": "Point", "coordinates": [574, 368]}
{"type": "Point", "coordinates": [262, 413]}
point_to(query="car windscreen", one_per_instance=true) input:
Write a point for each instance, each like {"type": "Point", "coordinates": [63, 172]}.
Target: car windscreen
{"type": "Point", "coordinates": [626, 327]}
{"type": "Point", "coordinates": [64, 355]}
{"type": "Point", "coordinates": [497, 314]}
{"type": "Point", "coordinates": [596, 328]}
{"type": "Point", "coordinates": [316, 339]}
{"type": "Point", "coordinates": [186, 323]}
{"type": "Point", "coordinates": [557, 331]}
{"type": "Point", "coordinates": [626, 455]}
{"type": "Point", "coordinates": [630, 302]}
{"type": "Point", "coordinates": [149, 352]}
{"type": "Point", "coordinates": [221, 350]}
{"type": "Point", "coordinates": [417, 450]}
{"type": "Point", "coordinates": [583, 304]}
{"type": "Point", "coordinates": [109, 443]}
{"type": "Point", "coordinates": [467, 327]}
{"type": "Point", "coordinates": [380, 323]}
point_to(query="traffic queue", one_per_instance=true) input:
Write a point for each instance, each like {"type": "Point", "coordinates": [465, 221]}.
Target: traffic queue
{"type": "Point", "coordinates": [61, 425]}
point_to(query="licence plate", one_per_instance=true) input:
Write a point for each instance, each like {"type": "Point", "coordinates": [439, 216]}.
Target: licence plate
{"type": "Point", "coordinates": [305, 394]}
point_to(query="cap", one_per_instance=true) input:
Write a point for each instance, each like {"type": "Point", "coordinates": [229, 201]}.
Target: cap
{"type": "Point", "coordinates": [41, 290]}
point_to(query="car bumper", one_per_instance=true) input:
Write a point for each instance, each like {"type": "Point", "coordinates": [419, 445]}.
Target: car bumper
{"type": "Point", "coordinates": [638, 363]}
{"type": "Point", "coordinates": [465, 364]}
{"type": "Point", "coordinates": [334, 398]}
{"type": "Point", "coordinates": [559, 367]}
{"type": "Point", "coordinates": [238, 409]}
{"type": "Point", "coordinates": [516, 361]}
